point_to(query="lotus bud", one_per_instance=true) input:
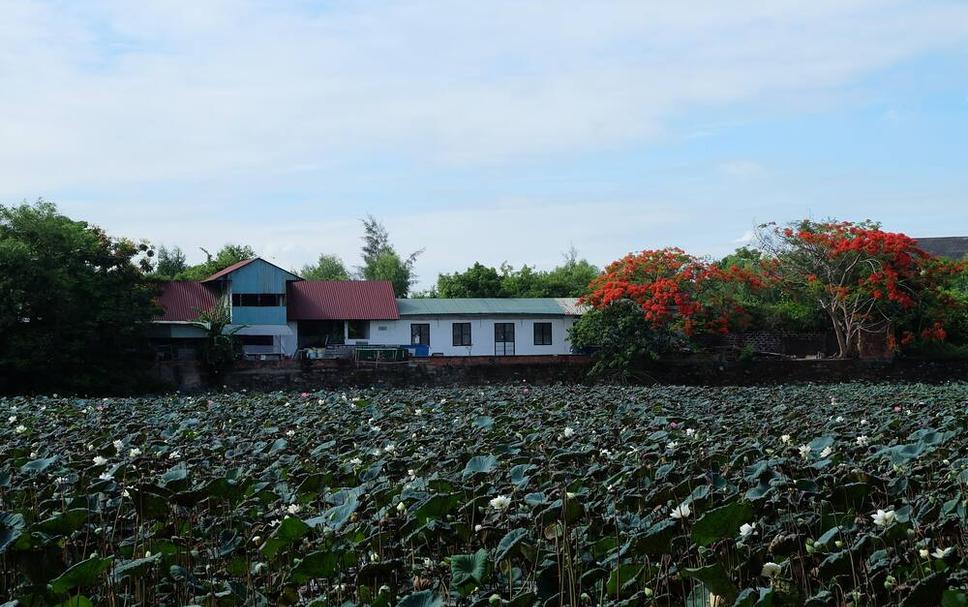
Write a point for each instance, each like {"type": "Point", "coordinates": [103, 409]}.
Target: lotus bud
{"type": "Point", "coordinates": [494, 600]}
{"type": "Point", "coordinates": [889, 582]}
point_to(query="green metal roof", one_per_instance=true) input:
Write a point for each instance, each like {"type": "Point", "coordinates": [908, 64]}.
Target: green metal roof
{"type": "Point", "coordinates": [534, 306]}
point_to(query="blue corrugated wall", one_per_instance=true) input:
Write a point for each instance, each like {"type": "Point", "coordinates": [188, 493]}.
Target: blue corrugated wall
{"type": "Point", "coordinates": [259, 277]}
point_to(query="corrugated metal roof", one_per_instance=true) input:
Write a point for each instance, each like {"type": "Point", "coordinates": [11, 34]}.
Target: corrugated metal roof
{"type": "Point", "coordinates": [952, 247]}
{"type": "Point", "coordinates": [533, 306]}
{"type": "Point", "coordinates": [230, 269]}
{"type": "Point", "coordinates": [342, 300]}
{"type": "Point", "coordinates": [182, 300]}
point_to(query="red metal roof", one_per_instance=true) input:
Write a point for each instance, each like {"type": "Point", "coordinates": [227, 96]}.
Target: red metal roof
{"type": "Point", "coordinates": [182, 300]}
{"type": "Point", "coordinates": [230, 269]}
{"type": "Point", "coordinates": [342, 300]}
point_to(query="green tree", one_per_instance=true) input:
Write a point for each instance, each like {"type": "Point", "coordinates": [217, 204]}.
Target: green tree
{"type": "Point", "coordinates": [229, 254]}
{"type": "Point", "coordinates": [570, 279]}
{"type": "Point", "coordinates": [327, 267]}
{"type": "Point", "coordinates": [74, 303]}
{"type": "Point", "coordinates": [621, 340]}
{"type": "Point", "coordinates": [476, 281]}
{"type": "Point", "coordinates": [389, 266]}
{"type": "Point", "coordinates": [381, 260]}
{"type": "Point", "coordinates": [169, 262]}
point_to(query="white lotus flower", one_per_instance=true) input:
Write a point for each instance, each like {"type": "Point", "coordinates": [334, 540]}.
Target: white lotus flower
{"type": "Point", "coordinates": [60, 480]}
{"type": "Point", "coordinates": [940, 553]}
{"type": "Point", "coordinates": [12, 419]}
{"type": "Point", "coordinates": [293, 508]}
{"type": "Point", "coordinates": [20, 429]}
{"type": "Point", "coordinates": [118, 445]}
{"type": "Point", "coordinates": [290, 433]}
{"type": "Point", "coordinates": [827, 452]}
{"type": "Point", "coordinates": [771, 570]}
{"type": "Point", "coordinates": [923, 553]}
{"type": "Point", "coordinates": [176, 454]}
{"type": "Point", "coordinates": [863, 422]}
{"type": "Point", "coordinates": [747, 529]}
{"type": "Point", "coordinates": [390, 448]}
{"type": "Point", "coordinates": [690, 432]}
{"type": "Point", "coordinates": [785, 439]}
{"type": "Point", "coordinates": [863, 440]}
{"type": "Point", "coordinates": [418, 411]}
{"type": "Point", "coordinates": [106, 476]}
{"type": "Point", "coordinates": [134, 452]}
{"type": "Point", "coordinates": [568, 432]}
{"type": "Point", "coordinates": [672, 445]}
{"type": "Point", "coordinates": [99, 460]}
{"type": "Point", "coordinates": [840, 418]}
{"type": "Point", "coordinates": [401, 507]}
{"type": "Point", "coordinates": [500, 503]}
{"type": "Point", "coordinates": [883, 518]}
{"type": "Point", "coordinates": [681, 511]}
{"type": "Point", "coordinates": [804, 451]}
{"type": "Point", "coordinates": [356, 461]}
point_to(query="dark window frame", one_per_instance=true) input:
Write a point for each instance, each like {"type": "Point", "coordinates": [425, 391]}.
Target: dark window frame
{"type": "Point", "coordinates": [503, 346]}
{"type": "Point", "coordinates": [258, 300]}
{"type": "Point", "coordinates": [257, 340]}
{"type": "Point", "coordinates": [462, 333]}
{"type": "Point", "coordinates": [543, 332]}
{"type": "Point", "coordinates": [363, 327]}
{"type": "Point", "coordinates": [418, 330]}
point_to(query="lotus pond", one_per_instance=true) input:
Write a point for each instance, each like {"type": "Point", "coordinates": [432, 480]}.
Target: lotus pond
{"type": "Point", "coordinates": [517, 495]}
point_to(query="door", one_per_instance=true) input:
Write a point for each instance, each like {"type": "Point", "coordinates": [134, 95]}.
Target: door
{"type": "Point", "coordinates": [504, 339]}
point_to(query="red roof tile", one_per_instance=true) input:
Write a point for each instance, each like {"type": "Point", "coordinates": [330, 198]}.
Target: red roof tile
{"type": "Point", "coordinates": [182, 300]}
{"type": "Point", "coordinates": [342, 300]}
{"type": "Point", "coordinates": [235, 266]}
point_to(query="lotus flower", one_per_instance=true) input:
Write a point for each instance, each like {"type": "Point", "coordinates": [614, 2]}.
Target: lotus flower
{"type": "Point", "coordinates": [681, 511]}
{"type": "Point", "coordinates": [863, 440]}
{"type": "Point", "coordinates": [940, 553]}
{"type": "Point", "coordinates": [135, 452]}
{"type": "Point", "coordinates": [747, 529]}
{"type": "Point", "coordinates": [500, 503]}
{"type": "Point", "coordinates": [771, 570]}
{"type": "Point", "coordinates": [20, 429]}
{"type": "Point", "coordinates": [804, 451]}
{"type": "Point", "coordinates": [827, 452]}
{"type": "Point", "coordinates": [884, 518]}
{"type": "Point", "coordinates": [568, 432]}
{"type": "Point", "coordinates": [785, 439]}
{"type": "Point", "coordinates": [99, 460]}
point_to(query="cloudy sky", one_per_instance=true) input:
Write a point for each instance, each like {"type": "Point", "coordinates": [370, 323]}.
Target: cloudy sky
{"type": "Point", "coordinates": [492, 131]}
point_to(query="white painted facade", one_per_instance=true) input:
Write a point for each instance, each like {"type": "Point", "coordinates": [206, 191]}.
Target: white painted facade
{"type": "Point", "coordinates": [398, 333]}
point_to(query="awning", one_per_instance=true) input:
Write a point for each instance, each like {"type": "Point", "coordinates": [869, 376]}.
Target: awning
{"type": "Point", "coordinates": [258, 330]}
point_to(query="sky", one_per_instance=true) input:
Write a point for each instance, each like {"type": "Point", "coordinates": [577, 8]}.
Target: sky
{"type": "Point", "coordinates": [484, 131]}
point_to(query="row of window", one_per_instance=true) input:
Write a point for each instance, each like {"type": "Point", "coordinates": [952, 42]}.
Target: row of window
{"type": "Point", "coordinates": [258, 300]}
{"type": "Point", "coordinates": [503, 333]}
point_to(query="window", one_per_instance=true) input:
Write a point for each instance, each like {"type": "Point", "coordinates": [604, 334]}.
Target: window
{"type": "Point", "coordinates": [504, 339]}
{"type": "Point", "coordinates": [462, 333]}
{"type": "Point", "coordinates": [420, 333]}
{"type": "Point", "coordinates": [256, 340]}
{"type": "Point", "coordinates": [542, 333]}
{"type": "Point", "coordinates": [357, 329]}
{"type": "Point", "coordinates": [258, 300]}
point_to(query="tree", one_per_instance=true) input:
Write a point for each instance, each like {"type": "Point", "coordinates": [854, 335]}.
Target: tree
{"type": "Point", "coordinates": [74, 303]}
{"type": "Point", "coordinates": [228, 255]}
{"type": "Point", "coordinates": [476, 281]}
{"type": "Point", "coordinates": [570, 279]}
{"type": "Point", "coordinates": [674, 290]}
{"type": "Point", "coordinates": [327, 267]}
{"type": "Point", "coordinates": [863, 278]}
{"type": "Point", "coordinates": [382, 262]}
{"type": "Point", "coordinates": [170, 263]}
{"type": "Point", "coordinates": [389, 266]}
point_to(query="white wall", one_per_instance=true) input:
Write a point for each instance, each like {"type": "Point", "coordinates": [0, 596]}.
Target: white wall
{"type": "Point", "coordinates": [397, 332]}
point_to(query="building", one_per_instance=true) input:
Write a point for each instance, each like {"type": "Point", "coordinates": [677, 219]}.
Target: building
{"type": "Point", "coordinates": [951, 247]}
{"type": "Point", "coordinates": [275, 313]}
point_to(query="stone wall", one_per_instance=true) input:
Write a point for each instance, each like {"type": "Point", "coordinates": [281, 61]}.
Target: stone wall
{"type": "Point", "coordinates": [335, 374]}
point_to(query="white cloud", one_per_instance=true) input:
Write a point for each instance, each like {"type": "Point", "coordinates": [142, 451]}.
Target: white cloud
{"type": "Point", "coordinates": [113, 92]}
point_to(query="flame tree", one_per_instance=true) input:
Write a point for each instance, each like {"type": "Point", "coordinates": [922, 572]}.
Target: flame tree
{"type": "Point", "coordinates": [863, 278]}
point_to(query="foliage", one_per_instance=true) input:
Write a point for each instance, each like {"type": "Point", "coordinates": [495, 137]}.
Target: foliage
{"type": "Point", "coordinates": [327, 267]}
{"type": "Point", "coordinates": [228, 255]}
{"type": "Point", "coordinates": [221, 348]}
{"type": "Point", "coordinates": [675, 291]}
{"type": "Point", "coordinates": [386, 497]}
{"type": "Point", "coordinates": [570, 279]}
{"type": "Point", "coordinates": [863, 278]}
{"type": "Point", "coordinates": [621, 339]}
{"type": "Point", "coordinates": [169, 263]}
{"type": "Point", "coordinates": [381, 260]}
{"type": "Point", "coordinates": [73, 303]}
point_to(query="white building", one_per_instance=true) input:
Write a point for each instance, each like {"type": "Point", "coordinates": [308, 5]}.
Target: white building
{"type": "Point", "coordinates": [478, 327]}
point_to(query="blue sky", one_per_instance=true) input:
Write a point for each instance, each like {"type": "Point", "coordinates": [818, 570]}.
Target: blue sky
{"type": "Point", "coordinates": [497, 131]}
